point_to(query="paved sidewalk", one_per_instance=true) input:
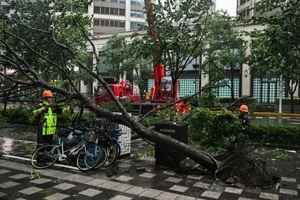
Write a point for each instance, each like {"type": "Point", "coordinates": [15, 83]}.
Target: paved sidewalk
{"type": "Point", "coordinates": [55, 184]}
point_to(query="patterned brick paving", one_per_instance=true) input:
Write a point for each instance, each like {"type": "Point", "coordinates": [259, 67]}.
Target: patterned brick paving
{"type": "Point", "coordinates": [16, 183]}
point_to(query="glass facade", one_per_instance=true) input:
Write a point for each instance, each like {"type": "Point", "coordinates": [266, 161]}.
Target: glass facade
{"type": "Point", "coordinates": [225, 90]}
{"type": "Point", "coordinates": [137, 13]}
{"type": "Point", "coordinates": [137, 26]}
{"type": "Point", "coordinates": [266, 90]}
{"type": "Point", "coordinates": [137, 3]}
{"type": "Point", "coordinates": [187, 87]}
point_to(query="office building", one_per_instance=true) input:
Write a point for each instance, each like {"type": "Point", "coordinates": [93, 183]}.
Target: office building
{"type": "Point", "coordinates": [114, 16]}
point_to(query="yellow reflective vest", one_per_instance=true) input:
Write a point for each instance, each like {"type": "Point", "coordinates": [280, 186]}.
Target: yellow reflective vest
{"type": "Point", "coordinates": [48, 118]}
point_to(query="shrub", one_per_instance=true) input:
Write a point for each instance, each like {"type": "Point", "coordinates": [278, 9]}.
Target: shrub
{"type": "Point", "coordinates": [18, 115]}
{"type": "Point", "coordinates": [163, 115]}
{"type": "Point", "coordinates": [278, 135]}
{"type": "Point", "coordinates": [215, 129]}
{"type": "Point", "coordinates": [218, 129]}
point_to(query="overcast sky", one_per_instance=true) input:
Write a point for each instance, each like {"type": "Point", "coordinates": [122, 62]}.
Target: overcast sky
{"type": "Point", "coordinates": [228, 5]}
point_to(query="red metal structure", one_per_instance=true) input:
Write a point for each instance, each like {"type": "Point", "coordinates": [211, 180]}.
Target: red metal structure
{"type": "Point", "coordinates": [122, 90]}
{"type": "Point", "coordinates": [163, 91]}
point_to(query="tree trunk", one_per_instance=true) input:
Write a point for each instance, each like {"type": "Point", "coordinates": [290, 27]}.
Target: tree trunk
{"type": "Point", "coordinates": [200, 157]}
{"type": "Point", "coordinates": [292, 103]}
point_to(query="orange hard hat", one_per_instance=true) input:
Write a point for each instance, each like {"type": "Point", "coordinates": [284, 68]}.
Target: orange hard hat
{"type": "Point", "coordinates": [244, 108]}
{"type": "Point", "coordinates": [47, 93]}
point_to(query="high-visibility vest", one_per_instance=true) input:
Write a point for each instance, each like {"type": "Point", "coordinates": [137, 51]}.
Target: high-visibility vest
{"type": "Point", "coordinates": [48, 120]}
{"type": "Point", "coordinates": [49, 123]}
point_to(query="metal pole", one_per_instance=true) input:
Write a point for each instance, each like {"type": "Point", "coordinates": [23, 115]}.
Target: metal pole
{"type": "Point", "coordinates": [280, 94]}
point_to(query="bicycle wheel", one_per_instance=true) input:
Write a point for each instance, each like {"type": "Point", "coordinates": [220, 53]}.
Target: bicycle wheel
{"type": "Point", "coordinates": [113, 152]}
{"type": "Point", "coordinates": [44, 156]}
{"type": "Point", "coordinates": [90, 157]}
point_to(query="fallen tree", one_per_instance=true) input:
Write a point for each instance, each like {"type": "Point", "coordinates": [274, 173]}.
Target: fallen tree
{"type": "Point", "coordinates": [40, 52]}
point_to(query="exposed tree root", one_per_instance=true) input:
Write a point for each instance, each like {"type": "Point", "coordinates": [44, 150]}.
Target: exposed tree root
{"type": "Point", "coordinates": [241, 165]}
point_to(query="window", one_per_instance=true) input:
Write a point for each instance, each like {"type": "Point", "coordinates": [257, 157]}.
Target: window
{"type": "Point", "coordinates": [112, 11]}
{"type": "Point", "coordinates": [102, 22]}
{"type": "Point", "coordinates": [111, 23]}
{"type": "Point", "coordinates": [122, 12]}
{"type": "Point", "coordinates": [96, 9]}
{"type": "Point", "coordinates": [104, 10]}
{"type": "Point", "coordinates": [106, 22]}
{"type": "Point", "coordinates": [122, 24]}
{"type": "Point", "coordinates": [96, 22]}
{"type": "Point", "coordinates": [225, 91]}
{"type": "Point", "coordinates": [266, 90]}
{"type": "Point", "coordinates": [137, 2]}
{"type": "Point", "coordinates": [137, 13]}
{"type": "Point", "coordinates": [137, 26]}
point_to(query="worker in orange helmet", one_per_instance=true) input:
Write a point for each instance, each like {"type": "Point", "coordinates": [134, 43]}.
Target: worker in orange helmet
{"type": "Point", "coordinates": [244, 113]}
{"type": "Point", "coordinates": [46, 117]}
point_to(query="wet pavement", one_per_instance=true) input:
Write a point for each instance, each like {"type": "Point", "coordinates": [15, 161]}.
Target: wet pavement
{"type": "Point", "coordinates": [134, 177]}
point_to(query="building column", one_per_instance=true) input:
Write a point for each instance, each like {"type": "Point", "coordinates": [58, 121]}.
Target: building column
{"type": "Point", "coordinates": [246, 75]}
{"type": "Point", "coordinates": [127, 15]}
{"type": "Point", "coordinates": [246, 80]}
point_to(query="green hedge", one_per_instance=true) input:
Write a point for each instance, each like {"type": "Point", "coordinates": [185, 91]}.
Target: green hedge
{"type": "Point", "coordinates": [288, 101]}
{"type": "Point", "coordinates": [275, 135]}
{"type": "Point", "coordinates": [217, 129]}
{"type": "Point", "coordinates": [214, 129]}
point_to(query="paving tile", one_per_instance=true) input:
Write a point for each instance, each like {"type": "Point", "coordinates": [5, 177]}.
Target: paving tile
{"type": "Point", "coordinates": [120, 197]}
{"type": "Point", "coordinates": [233, 190]}
{"type": "Point", "coordinates": [173, 180]}
{"type": "Point", "coordinates": [78, 178]}
{"type": "Point", "coordinates": [202, 185]}
{"type": "Point", "coordinates": [170, 173]}
{"type": "Point", "coordinates": [8, 184]}
{"type": "Point", "coordinates": [108, 185]}
{"type": "Point", "coordinates": [57, 196]}
{"type": "Point", "coordinates": [19, 198]}
{"type": "Point", "coordinates": [90, 192]}
{"type": "Point", "coordinates": [123, 178]}
{"type": "Point", "coordinates": [244, 198]}
{"type": "Point", "coordinates": [287, 179]}
{"type": "Point", "coordinates": [269, 196]}
{"type": "Point", "coordinates": [135, 190]}
{"type": "Point", "coordinates": [30, 190]}
{"type": "Point", "coordinates": [179, 188]}
{"type": "Point", "coordinates": [40, 181]}
{"type": "Point", "coordinates": [64, 186]}
{"type": "Point", "coordinates": [150, 193]}
{"type": "Point", "coordinates": [19, 176]}
{"type": "Point", "coordinates": [2, 194]}
{"type": "Point", "coordinates": [211, 194]}
{"type": "Point", "coordinates": [288, 191]}
{"type": "Point", "coordinates": [4, 171]}
{"type": "Point", "coordinates": [147, 175]}
{"type": "Point", "coordinates": [122, 187]}
{"type": "Point", "coordinates": [96, 182]}
{"type": "Point", "coordinates": [194, 177]}
{"type": "Point", "coordinates": [298, 187]}
{"type": "Point", "coordinates": [55, 173]}
{"type": "Point", "coordinates": [183, 197]}
{"type": "Point", "coordinates": [166, 196]}
{"type": "Point", "coordinates": [216, 187]}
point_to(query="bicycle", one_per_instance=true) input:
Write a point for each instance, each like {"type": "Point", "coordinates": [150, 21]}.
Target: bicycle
{"type": "Point", "coordinates": [107, 137]}
{"type": "Point", "coordinates": [87, 154]}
